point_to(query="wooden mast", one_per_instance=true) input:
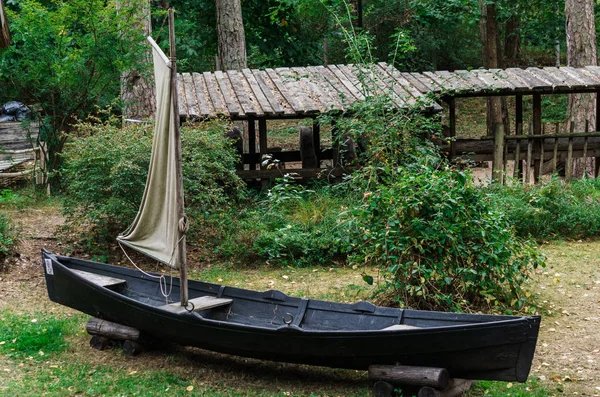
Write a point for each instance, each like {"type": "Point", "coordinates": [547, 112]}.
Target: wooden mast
{"type": "Point", "coordinates": [182, 260]}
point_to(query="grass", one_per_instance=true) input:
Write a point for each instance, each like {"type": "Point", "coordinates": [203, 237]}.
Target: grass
{"type": "Point", "coordinates": [34, 336]}
{"type": "Point", "coordinates": [25, 197]}
{"type": "Point", "coordinates": [532, 388]}
{"type": "Point", "coordinates": [86, 380]}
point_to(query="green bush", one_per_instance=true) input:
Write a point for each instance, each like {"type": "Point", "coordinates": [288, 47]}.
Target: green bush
{"type": "Point", "coordinates": [306, 228]}
{"type": "Point", "coordinates": [552, 209]}
{"type": "Point", "coordinates": [8, 236]}
{"type": "Point", "coordinates": [289, 225]}
{"type": "Point", "coordinates": [441, 243]}
{"type": "Point", "coordinates": [105, 173]}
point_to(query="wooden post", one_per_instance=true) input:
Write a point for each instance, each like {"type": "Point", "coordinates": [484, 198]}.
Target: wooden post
{"type": "Point", "coordinates": [317, 139]}
{"type": "Point", "coordinates": [335, 143]}
{"type": "Point", "coordinates": [540, 169]}
{"type": "Point", "coordinates": [262, 137]}
{"type": "Point", "coordinates": [597, 160]}
{"type": "Point", "coordinates": [555, 154]}
{"type": "Point", "coordinates": [569, 165]}
{"type": "Point", "coordinates": [529, 157]}
{"type": "Point", "coordinates": [518, 114]}
{"type": "Point", "coordinates": [585, 145]}
{"type": "Point", "coordinates": [182, 259]}
{"type": "Point", "coordinates": [452, 125]}
{"type": "Point", "coordinates": [517, 171]}
{"type": "Point", "coordinates": [537, 129]}
{"type": "Point", "coordinates": [498, 162]}
{"type": "Point", "coordinates": [251, 142]}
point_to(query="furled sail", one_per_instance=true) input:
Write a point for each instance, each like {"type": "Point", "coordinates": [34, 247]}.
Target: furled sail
{"type": "Point", "coordinates": [156, 228]}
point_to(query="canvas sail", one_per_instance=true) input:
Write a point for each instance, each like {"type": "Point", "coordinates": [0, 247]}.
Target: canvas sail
{"type": "Point", "coordinates": [155, 230]}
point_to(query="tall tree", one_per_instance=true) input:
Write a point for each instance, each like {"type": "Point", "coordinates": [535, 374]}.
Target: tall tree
{"type": "Point", "coordinates": [137, 85]}
{"type": "Point", "coordinates": [4, 31]}
{"type": "Point", "coordinates": [490, 48]}
{"type": "Point", "coordinates": [581, 51]}
{"type": "Point", "coordinates": [231, 36]}
{"type": "Point", "coordinates": [67, 60]}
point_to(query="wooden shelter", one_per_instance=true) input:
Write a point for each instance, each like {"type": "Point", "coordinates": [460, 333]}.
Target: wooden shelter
{"type": "Point", "coordinates": [299, 92]}
{"type": "Point", "coordinates": [4, 31]}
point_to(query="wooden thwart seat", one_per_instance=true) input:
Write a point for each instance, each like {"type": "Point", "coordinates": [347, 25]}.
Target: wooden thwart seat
{"type": "Point", "coordinates": [197, 304]}
{"type": "Point", "coordinates": [103, 281]}
{"type": "Point", "coordinates": [397, 327]}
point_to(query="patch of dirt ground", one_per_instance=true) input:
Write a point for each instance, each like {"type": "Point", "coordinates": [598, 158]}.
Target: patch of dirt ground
{"type": "Point", "coordinates": [568, 349]}
{"type": "Point", "coordinates": [567, 358]}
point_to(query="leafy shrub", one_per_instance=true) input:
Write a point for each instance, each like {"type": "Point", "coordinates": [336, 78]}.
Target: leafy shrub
{"type": "Point", "coordinates": [552, 209]}
{"type": "Point", "coordinates": [8, 236]}
{"type": "Point", "coordinates": [441, 243]}
{"type": "Point", "coordinates": [105, 174]}
{"type": "Point", "coordinates": [290, 225]}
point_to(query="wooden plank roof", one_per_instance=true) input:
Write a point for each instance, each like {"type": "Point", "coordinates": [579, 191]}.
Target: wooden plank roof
{"type": "Point", "coordinates": [307, 91]}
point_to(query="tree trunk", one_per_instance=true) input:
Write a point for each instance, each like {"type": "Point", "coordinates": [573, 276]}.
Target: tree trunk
{"type": "Point", "coordinates": [490, 40]}
{"type": "Point", "coordinates": [512, 41]}
{"type": "Point", "coordinates": [230, 32]}
{"type": "Point", "coordinates": [581, 51]}
{"type": "Point", "coordinates": [4, 31]}
{"type": "Point", "coordinates": [137, 85]}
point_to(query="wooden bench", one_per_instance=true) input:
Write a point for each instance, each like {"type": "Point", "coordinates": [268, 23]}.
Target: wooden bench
{"type": "Point", "coordinates": [197, 304]}
{"type": "Point", "coordinates": [98, 279]}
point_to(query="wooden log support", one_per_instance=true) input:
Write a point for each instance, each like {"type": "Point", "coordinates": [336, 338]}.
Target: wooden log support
{"type": "Point", "coordinates": [498, 162]}
{"type": "Point", "coordinates": [100, 342]}
{"type": "Point", "coordinates": [456, 387]}
{"type": "Point", "coordinates": [383, 389]}
{"type": "Point", "coordinates": [407, 375]}
{"type": "Point", "coordinates": [132, 348]}
{"type": "Point", "coordinates": [110, 330]}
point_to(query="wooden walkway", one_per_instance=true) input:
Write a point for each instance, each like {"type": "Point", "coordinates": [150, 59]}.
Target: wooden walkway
{"type": "Point", "coordinates": [307, 91]}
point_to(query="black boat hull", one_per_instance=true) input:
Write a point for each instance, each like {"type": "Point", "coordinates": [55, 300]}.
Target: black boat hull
{"type": "Point", "coordinates": [271, 325]}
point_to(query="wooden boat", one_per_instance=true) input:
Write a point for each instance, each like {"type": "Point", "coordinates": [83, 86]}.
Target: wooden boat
{"type": "Point", "coordinates": [271, 325]}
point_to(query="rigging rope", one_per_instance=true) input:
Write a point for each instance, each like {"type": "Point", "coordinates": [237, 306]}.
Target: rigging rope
{"type": "Point", "coordinates": [162, 280]}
